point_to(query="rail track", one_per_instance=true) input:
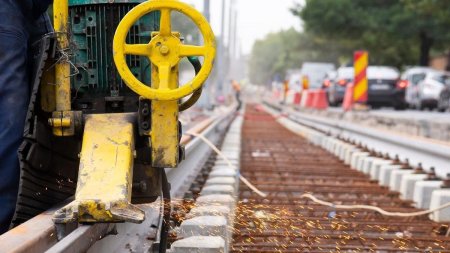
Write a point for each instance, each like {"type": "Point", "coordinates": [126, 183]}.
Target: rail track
{"type": "Point", "coordinates": [40, 235]}
{"type": "Point", "coordinates": [285, 166]}
{"type": "Point", "coordinates": [417, 150]}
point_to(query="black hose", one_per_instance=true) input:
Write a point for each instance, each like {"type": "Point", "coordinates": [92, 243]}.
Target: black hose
{"type": "Point", "coordinates": [196, 95]}
{"type": "Point", "coordinates": [166, 212]}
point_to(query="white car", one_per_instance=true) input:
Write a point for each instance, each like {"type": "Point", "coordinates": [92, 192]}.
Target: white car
{"type": "Point", "coordinates": [430, 89]}
{"type": "Point", "coordinates": [315, 72]}
{"type": "Point", "coordinates": [411, 79]}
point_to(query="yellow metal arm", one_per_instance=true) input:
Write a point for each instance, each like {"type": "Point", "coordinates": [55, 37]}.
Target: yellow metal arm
{"type": "Point", "coordinates": [62, 72]}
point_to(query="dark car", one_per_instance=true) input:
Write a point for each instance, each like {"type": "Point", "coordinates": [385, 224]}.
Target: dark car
{"type": "Point", "coordinates": [335, 84]}
{"type": "Point", "coordinates": [385, 88]}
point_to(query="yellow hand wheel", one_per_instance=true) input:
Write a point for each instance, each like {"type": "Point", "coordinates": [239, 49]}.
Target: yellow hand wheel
{"type": "Point", "coordinates": [164, 50]}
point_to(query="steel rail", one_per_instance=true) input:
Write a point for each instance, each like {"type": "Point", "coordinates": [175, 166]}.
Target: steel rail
{"type": "Point", "coordinates": [39, 234]}
{"type": "Point", "coordinates": [416, 150]}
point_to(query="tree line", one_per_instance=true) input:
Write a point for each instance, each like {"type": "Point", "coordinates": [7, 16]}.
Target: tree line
{"type": "Point", "coordinates": [395, 32]}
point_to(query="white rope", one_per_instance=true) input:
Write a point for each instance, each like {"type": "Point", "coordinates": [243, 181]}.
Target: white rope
{"type": "Point", "coordinates": [373, 208]}
{"type": "Point", "coordinates": [313, 198]}
{"type": "Point", "coordinates": [243, 179]}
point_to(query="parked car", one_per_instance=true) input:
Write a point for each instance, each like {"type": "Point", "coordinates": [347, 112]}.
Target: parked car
{"type": "Point", "coordinates": [430, 89]}
{"type": "Point", "coordinates": [444, 97]}
{"type": "Point", "coordinates": [329, 78]}
{"type": "Point", "coordinates": [315, 73]}
{"type": "Point", "coordinates": [385, 89]}
{"type": "Point", "coordinates": [335, 84]}
{"type": "Point", "coordinates": [411, 79]}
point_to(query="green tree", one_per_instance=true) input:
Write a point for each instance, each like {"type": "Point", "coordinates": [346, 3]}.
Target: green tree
{"type": "Point", "coordinates": [395, 32]}
{"type": "Point", "coordinates": [272, 56]}
{"type": "Point", "coordinates": [288, 49]}
{"type": "Point", "coordinates": [432, 22]}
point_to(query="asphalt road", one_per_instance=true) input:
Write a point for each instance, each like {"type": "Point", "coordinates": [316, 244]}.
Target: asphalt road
{"type": "Point", "coordinates": [430, 116]}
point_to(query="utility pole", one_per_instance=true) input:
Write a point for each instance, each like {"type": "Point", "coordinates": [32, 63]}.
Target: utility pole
{"type": "Point", "coordinates": [206, 10]}
{"type": "Point", "coordinates": [221, 52]}
{"type": "Point", "coordinates": [231, 27]}
{"type": "Point", "coordinates": [205, 101]}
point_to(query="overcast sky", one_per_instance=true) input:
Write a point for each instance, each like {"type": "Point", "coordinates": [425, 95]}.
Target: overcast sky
{"type": "Point", "coordinates": [256, 18]}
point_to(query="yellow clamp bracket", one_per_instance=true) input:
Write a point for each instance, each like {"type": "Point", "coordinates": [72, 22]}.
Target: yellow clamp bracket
{"type": "Point", "coordinates": [106, 173]}
{"type": "Point", "coordinates": [165, 50]}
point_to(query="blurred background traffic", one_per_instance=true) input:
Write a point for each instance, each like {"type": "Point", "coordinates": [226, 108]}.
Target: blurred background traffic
{"type": "Point", "coordinates": [311, 43]}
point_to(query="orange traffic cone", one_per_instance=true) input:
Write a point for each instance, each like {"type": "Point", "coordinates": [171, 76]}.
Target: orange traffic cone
{"type": "Point", "coordinates": [347, 105]}
{"type": "Point", "coordinates": [320, 100]}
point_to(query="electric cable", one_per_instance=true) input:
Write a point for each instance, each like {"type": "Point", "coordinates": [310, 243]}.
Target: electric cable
{"type": "Point", "coordinates": [166, 212]}
{"type": "Point", "coordinates": [195, 62]}
{"type": "Point", "coordinates": [243, 179]}
{"type": "Point", "coordinates": [373, 208]}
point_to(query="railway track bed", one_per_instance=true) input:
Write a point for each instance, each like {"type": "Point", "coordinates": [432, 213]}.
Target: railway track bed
{"type": "Point", "coordinates": [285, 166]}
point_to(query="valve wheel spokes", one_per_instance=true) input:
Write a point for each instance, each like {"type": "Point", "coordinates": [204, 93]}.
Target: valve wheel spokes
{"type": "Point", "coordinates": [137, 49]}
{"type": "Point", "coordinates": [164, 76]}
{"type": "Point", "coordinates": [190, 50]}
{"type": "Point", "coordinates": [165, 50]}
{"type": "Point", "coordinates": [165, 24]}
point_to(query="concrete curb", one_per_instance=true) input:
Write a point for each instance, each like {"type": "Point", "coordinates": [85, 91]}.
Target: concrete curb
{"type": "Point", "coordinates": [411, 186]}
{"type": "Point", "coordinates": [209, 227]}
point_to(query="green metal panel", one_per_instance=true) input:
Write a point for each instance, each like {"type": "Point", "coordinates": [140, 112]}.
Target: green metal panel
{"type": "Point", "coordinates": [83, 2]}
{"type": "Point", "coordinates": [94, 75]}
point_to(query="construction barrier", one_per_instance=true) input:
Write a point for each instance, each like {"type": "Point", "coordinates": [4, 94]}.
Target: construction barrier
{"type": "Point", "coordinates": [310, 99]}
{"type": "Point", "coordinates": [320, 100]}
{"type": "Point", "coordinates": [297, 98]}
{"type": "Point", "coordinates": [294, 98]}
{"type": "Point", "coordinates": [361, 84]}
{"type": "Point", "coordinates": [347, 104]}
{"type": "Point", "coordinates": [313, 99]}
{"type": "Point", "coordinates": [304, 98]}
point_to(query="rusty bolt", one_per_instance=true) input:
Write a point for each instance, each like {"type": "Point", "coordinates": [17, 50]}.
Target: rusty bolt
{"type": "Point", "coordinates": [431, 175]}
{"type": "Point", "coordinates": [164, 50]}
{"type": "Point", "coordinates": [419, 169]}
{"type": "Point", "coordinates": [446, 182]}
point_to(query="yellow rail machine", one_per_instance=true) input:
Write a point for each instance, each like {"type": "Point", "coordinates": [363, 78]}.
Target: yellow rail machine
{"type": "Point", "coordinates": [104, 132]}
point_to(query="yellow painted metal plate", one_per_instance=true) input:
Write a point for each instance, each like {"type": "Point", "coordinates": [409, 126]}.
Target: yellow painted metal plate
{"type": "Point", "coordinates": [106, 172]}
{"type": "Point", "coordinates": [164, 124]}
{"type": "Point", "coordinates": [106, 160]}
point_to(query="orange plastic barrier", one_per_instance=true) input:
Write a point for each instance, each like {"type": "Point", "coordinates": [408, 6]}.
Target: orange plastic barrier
{"type": "Point", "coordinates": [303, 98]}
{"type": "Point", "coordinates": [290, 97]}
{"type": "Point", "coordinates": [347, 104]}
{"type": "Point", "coordinates": [297, 98]}
{"type": "Point", "coordinates": [310, 99]}
{"type": "Point", "coordinates": [320, 100]}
